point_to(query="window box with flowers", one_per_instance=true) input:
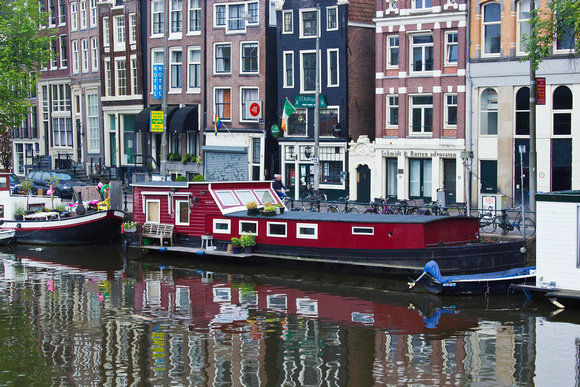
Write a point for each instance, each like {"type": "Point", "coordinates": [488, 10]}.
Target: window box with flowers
{"type": "Point", "coordinates": [129, 226]}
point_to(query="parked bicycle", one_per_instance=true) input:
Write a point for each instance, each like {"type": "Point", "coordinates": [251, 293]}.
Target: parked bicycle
{"type": "Point", "coordinates": [334, 207]}
{"type": "Point", "coordinates": [379, 206]}
{"type": "Point", "coordinates": [489, 222]}
{"type": "Point", "coordinates": [311, 200]}
{"type": "Point", "coordinates": [436, 209]}
{"type": "Point", "coordinates": [403, 207]}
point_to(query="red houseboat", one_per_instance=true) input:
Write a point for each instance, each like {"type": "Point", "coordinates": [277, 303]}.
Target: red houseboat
{"type": "Point", "coordinates": [400, 244]}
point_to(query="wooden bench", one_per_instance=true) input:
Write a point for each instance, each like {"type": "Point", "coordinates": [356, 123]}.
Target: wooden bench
{"type": "Point", "coordinates": [159, 231]}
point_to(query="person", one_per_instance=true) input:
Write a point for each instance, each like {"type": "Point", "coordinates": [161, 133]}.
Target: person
{"type": "Point", "coordinates": [279, 186]}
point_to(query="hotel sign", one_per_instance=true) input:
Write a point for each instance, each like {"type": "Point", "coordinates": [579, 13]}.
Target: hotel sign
{"type": "Point", "coordinates": [308, 101]}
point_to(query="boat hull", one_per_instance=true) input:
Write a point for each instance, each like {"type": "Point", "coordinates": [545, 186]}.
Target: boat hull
{"type": "Point", "coordinates": [94, 228]}
{"type": "Point", "coordinates": [489, 286]}
{"type": "Point", "coordinates": [6, 237]}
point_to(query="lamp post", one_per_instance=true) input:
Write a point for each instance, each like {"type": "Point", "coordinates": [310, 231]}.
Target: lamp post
{"type": "Point", "coordinates": [79, 143]}
{"type": "Point", "coordinates": [522, 149]}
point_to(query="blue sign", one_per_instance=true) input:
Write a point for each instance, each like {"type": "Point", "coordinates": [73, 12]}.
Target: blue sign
{"type": "Point", "coordinates": [157, 81]}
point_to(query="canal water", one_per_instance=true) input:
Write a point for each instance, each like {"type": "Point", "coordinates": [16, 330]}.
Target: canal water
{"type": "Point", "coordinates": [95, 316]}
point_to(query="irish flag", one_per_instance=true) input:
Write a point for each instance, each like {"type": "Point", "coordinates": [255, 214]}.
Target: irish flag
{"type": "Point", "coordinates": [288, 110]}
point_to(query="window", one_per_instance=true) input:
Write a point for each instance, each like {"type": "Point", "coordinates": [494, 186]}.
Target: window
{"type": "Point", "coordinates": [220, 15]}
{"type": "Point", "coordinates": [194, 76]}
{"type": "Point", "coordinates": [332, 18]}
{"type": "Point", "coordinates": [248, 94]}
{"type": "Point", "coordinates": [153, 211]}
{"type": "Point", "coordinates": [157, 18]}
{"type": "Point", "coordinates": [93, 122]}
{"type": "Point", "coordinates": [308, 72]}
{"type": "Point", "coordinates": [63, 52]}
{"type": "Point", "coordinates": [75, 56]}
{"type": "Point", "coordinates": [451, 49]}
{"type": "Point", "coordinates": [332, 71]}
{"type": "Point", "coordinates": [182, 212]}
{"type": "Point", "coordinates": [330, 172]}
{"type": "Point", "coordinates": [565, 39]}
{"type": "Point", "coordinates": [108, 79]}
{"type": "Point", "coordinates": [53, 54]}
{"type": "Point", "coordinates": [222, 226]}
{"type": "Point", "coordinates": [289, 69]}
{"type": "Point", "coordinates": [52, 12]}
{"type": "Point", "coordinates": [306, 231]}
{"type": "Point", "coordinates": [489, 112]}
{"type": "Point", "coordinates": [134, 76]}
{"type": "Point", "coordinates": [62, 130]}
{"type": "Point", "coordinates": [223, 52]}
{"type": "Point", "coordinates": [93, 10]}
{"type": "Point", "coordinates": [276, 230]}
{"type": "Point", "coordinates": [392, 111]}
{"type": "Point", "coordinates": [61, 12]}
{"type": "Point", "coordinates": [491, 29]}
{"type": "Point", "coordinates": [223, 104]}
{"type": "Point", "coordinates": [61, 100]}
{"type": "Point", "coordinates": [194, 15]}
{"type": "Point", "coordinates": [119, 38]}
{"type": "Point", "coordinates": [247, 227]}
{"type": "Point", "coordinates": [83, 7]}
{"type": "Point", "coordinates": [121, 76]}
{"type": "Point", "coordinates": [363, 231]}
{"type": "Point", "coordinates": [450, 110]}
{"type": "Point", "coordinates": [175, 68]}
{"type": "Point", "coordinates": [523, 112]}
{"type": "Point", "coordinates": [106, 33]}
{"type": "Point", "coordinates": [253, 12]}
{"type": "Point", "coordinates": [236, 22]}
{"type": "Point", "coordinates": [176, 16]}
{"type": "Point", "coordinates": [422, 4]}
{"type": "Point", "coordinates": [308, 23]}
{"type": "Point", "coordinates": [421, 114]}
{"type": "Point", "coordinates": [133, 28]}
{"type": "Point", "coordinates": [249, 57]}
{"type": "Point", "coordinates": [73, 17]}
{"type": "Point", "coordinates": [562, 107]}
{"type": "Point", "coordinates": [392, 51]}
{"type": "Point", "coordinates": [523, 26]}
{"type": "Point", "coordinates": [156, 59]}
{"type": "Point", "coordinates": [85, 55]}
{"type": "Point", "coordinates": [297, 123]}
{"type": "Point", "coordinates": [422, 53]}
{"type": "Point", "coordinates": [328, 118]}
{"type": "Point", "coordinates": [95, 53]}
{"type": "Point", "coordinates": [288, 25]}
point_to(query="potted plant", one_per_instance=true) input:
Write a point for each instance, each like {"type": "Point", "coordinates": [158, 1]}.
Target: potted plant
{"type": "Point", "coordinates": [19, 212]}
{"type": "Point", "coordinates": [237, 245]}
{"type": "Point", "coordinates": [269, 209]}
{"type": "Point", "coordinates": [252, 208]}
{"type": "Point", "coordinates": [279, 208]}
{"type": "Point", "coordinates": [248, 241]}
{"type": "Point", "coordinates": [129, 226]}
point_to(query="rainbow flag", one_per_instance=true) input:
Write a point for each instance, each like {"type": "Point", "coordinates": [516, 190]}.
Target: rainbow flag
{"type": "Point", "coordinates": [217, 125]}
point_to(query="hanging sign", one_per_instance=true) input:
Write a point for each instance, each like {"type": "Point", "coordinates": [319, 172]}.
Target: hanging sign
{"type": "Point", "coordinates": [253, 109]}
{"type": "Point", "coordinates": [157, 121]}
{"type": "Point", "coordinates": [540, 91]}
{"type": "Point", "coordinates": [157, 81]}
{"type": "Point", "coordinates": [275, 130]}
{"type": "Point", "coordinates": [309, 101]}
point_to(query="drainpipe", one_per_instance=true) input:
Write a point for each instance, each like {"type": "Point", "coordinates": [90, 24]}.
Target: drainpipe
{"type": "Point", "coordinates": [468, 159]}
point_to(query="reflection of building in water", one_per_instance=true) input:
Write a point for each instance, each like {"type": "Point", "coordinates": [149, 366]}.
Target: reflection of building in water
{"type": "Point", "coordinates": [204, 329]}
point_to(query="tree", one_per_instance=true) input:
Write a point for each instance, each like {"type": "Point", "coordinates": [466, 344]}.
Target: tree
{"type": "Point", "coordinates": [560, 20]}
{"type": "Point", "coordinates": [24, 51]}
{"type": "Point", "coordinates": [6, 149]}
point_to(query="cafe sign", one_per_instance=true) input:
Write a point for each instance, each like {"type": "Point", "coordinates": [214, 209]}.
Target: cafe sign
{"type": "Point", "coordinates": [308, 101]}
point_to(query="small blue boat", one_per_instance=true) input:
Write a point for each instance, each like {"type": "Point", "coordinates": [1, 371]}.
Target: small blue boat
{"type": "Point", "coordinates": [485, 283]}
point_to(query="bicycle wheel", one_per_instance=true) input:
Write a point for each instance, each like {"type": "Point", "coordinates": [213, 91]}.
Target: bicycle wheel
{"type": "Point", "coordinates": [352, 210]}
{"type": "Point", "coordinates": [530, 226]}
{"type": "Point", "coordinates": [332, 208]}
{"type": "Point", "coordinates": [487, 223]}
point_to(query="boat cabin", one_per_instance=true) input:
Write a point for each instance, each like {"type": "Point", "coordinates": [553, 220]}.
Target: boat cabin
{"type": "Point", "coordinates": [10, 205]}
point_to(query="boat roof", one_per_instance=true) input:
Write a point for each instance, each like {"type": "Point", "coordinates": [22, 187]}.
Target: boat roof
{"type": "Point", "coordinates": [311, 216]}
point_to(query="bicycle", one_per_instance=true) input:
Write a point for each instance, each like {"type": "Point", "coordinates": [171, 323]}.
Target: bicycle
{"type": "Point", "coordinates": [310, 200]}
{"type": "Point", "coordinates": [402, 207]}
{"type": "Point", "coordinates": [436, 209]}
{"type": "Point", "coordinates": [489, 223]}
{"type": "Point", "coordinates": [334, 207]}
{"type": "Point", "coordinates": [379, 206]}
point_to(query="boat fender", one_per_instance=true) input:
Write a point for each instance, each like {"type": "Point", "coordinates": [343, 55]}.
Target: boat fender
{"type": "Point", "coordinates": [200, 252]}
{"type": "Point", "coordinates": [18, 225]}
{"type": "Point", "coordinates": [163, 249]}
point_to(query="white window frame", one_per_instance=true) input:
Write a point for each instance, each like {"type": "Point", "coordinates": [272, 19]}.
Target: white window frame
{"type": "Point", "coordinates": [389, 118]}
{"type": "Point", "coordinates": [422, 4]}
{"type": "Point", "coordinates": [447, 106]}
{"type": "Point", "coordinates": [215, 60]}
{"type": "Point", "coordinates": [172, 67]}
{"type": "Point", "coordinates": [355, 232]}
{"type": "Point", "coordinates": [83, 14]}
{"type": "Point", "coordinates": [75, 57]}
{"type": "Point", "coordinates": [61, 12]}
{"type": "Point", "coordinates": [119, 37]}
{"type": "Point", "coordinates": [118, 85]}
{"type": "Point", "coordinates": [328, 9]}
{"type": "Point", "coordinates": [425, 48]}
{"type": "Point", "coordinates": [95, 54]}
{"type": "Point", "coordinates": [242, 103]}
{"type": "Point", "coordinates": [485, 24]}
{"type": "Point", "coordinates": [215, 90]}
{"type": "Point", "coordinates": [108, 78]}
{"type": "Point", "coordinates": [487, 111]}
{"type": "Point", "coordinates": [242, 45]}
{"type": "Point", "coordinates": [284, 30]}
{"type": "Point", "coordinates": [53, 54]}
{"type": "Point", "coordinates": [302, 89]}
{"type": "Point", "coordinates": [424, 108]}
{"type": "Point", "coordinates": [63, 53]}
{"type": "Point", "coordinates": [449, 46]}
{"type": "Point", "coordinates": [390, 48]}
{"type": "Point", "coordinates": [215, 13]}
{"type": "Point", "coordinates": [132, 28]}
{"type": "Point", "coordinates": [190, 62]}
{"type": "Point", "coordinates": [286, 54]}
{"type": "Point", "coordinates": [302, 12]}
{"type": "Point", "coordinates": [252, 222]}
{"type": "Point", "coordinates": [84, 55]}
{"type": "Point", "coordinates": [156, 12]}
{"type": "Point", "coordinates": [328, 69]}
{"type": "Point", "coordinates": [93, 12]}
{"type": "Point", "coordinates": [300, 226]}
{"type": "Point", "coordinates": [93, 143]}
{"type": "Point", "coordinates": [226, 222]}
{"type": "Point", "coordinates": [178, 220]}
{"type": "Point", "coordinates": [253, 22]}
{"type": "Point", "coordinates": [106, 32]}
{"type": "Point", "coordinates": [191, 11]}
{"type": "Point", "coordinates": [134, 75]}
{"type": "Point", "coordinates": [268, 224]}
{"type": "Point", "coordinates": [157, 58]}
{"type": "Point", "coordinates": [522, 23]}
{"type": "Point", "coordinates": [74, 23]}
{"type": "Point", "coordinates": [179, 12]}
{"type": "Point", "coordinates": [147, 212]}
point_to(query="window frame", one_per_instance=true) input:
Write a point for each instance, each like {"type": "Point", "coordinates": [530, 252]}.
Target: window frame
{"type": "Point", "coordinates": [190, 63]}
{"type": "Point", "coordinates": [243, 58]}
{"type": "Point", "coordinates": [485, 24]}
{"type": "Point", "coordinates": [447, 107]}
{"type": "Point", "coordinates": [421, 5]}
{"type": "Point", "coordinates": [63, 51]}
{"type": "Point", "coordinates": [106, 32]}
{"type": "Point", "coordinates": [134, 75]}
{"type": "Point", "coordinates": [328, 10]}
{"type": "Point", "coordinates": [75, 57]}
{"type": "Point", "coordinates": [93, 13]}
{"type": "Point", "coordinates": [285, 25]}
{"type": "Point", "coordinates": [488, 111]}
{"type": "Point", "coordinates": [302, 72]}
{"type": "Point", "coordinates": [85, 56]}
{"type": "Point", "coordinates": [302, 20]}
{"type": "Point", "coordinates": [227, 106]}
{"type": "Point", "coordinates": [83, 15]}
{"type": "Point", "coordinates": [390, 49]}
{"type": "Point", "coordinates": [176, 26]}
{"type": "Point", "coordinates": [300, 226]}
{"type": "Point", "coordinates": [132, 28]}
{"type": "Point", "coordinates": [329, 69]}
{"type": "Point", "coordinates": [157, 19]}
{"type": "Point", "coordinates": [178, 220]}
{"type": "Point", "coordinates": [148, 210]}
{"type": "Point", "coordinates": [226, 59]}
{"type": "Point", "coordinates": [389, 109]}
{"type": "Point", "coordinates": [74, 23]}
{"type": "Point", "coordinates": [269, 230]}
{"type": "Point", "coordinates": [93, 141]}
{"type": "Point", "coordinates": [425, 48]}
{"type": "Point", "coordinates": [449, 45]}
{"type": "Point", "coordinates": [175, 66]}
{"type": "Point", "coordinates": [95, 54]}
{"type": "Point", "coordinates": [285, 74]}
{"type": "Point", "coordinates": [522, 22]}
{"type": "Point", "coordinates": [119, 38]}
{"type": "Point", "coordinates": [194, 10]}
{"type": "Point", "coordinates": [243, 102]}
{"type": "Point", "coordinates": [226, 222]}
{"type": "Point", "coordinates": [424, 108]}
{"type": "Point", "coordinates": [119, 85]}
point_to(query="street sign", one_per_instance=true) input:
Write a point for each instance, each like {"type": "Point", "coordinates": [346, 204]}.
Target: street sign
{"type": "Point", "coordinates": [157, 81]}
{"type": "Point", "coordinates": [253, 109]}
{"type": "Point", "coordinates": [157, 121]}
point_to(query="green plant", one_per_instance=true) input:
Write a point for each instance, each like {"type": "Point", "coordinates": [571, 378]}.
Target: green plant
{"type": "Point", "coordinates": [149, 167]}
{"type": "Point", "coordinates": [279, 205]}
{"type": "Point", "coordinates": [186, 157]}
{"type": "Point", "coordinates": [269, 208]}
{"type": "Point", "coordinates": [198, 178]}
{"type": "Point", "coordinates": [27, 186]}
{"type": "Point", "coordinates": [59, 208]}
{"type": "Point", "coordinates": [129, 224]}
{"type": "Point", "coordinates": [251, 205]}
{"type": "Point", "coordinates": [19, 210]}
{"type": "Point", "coordinates": [180, 178]}
{"type": "Point", "coordinates": [197, 159]}
{"type": "Point", "coordinates": [236, 241]}
{"type": "Point", "coordinates": [247, 240]}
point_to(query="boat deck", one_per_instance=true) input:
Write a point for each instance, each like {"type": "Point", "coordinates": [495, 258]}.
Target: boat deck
{"type": "Point", "coordinates": [565, 296]}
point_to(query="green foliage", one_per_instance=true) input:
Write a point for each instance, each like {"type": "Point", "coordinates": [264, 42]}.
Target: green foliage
{"type": "Point", "coordinates": [27, 186]}
{"type": "Point", "coordinates": [24, 51]}
{"type": "Point", "coordinates": [186, 157]}
{"type": "Point", "coordinates": [198, 178]}
{"type": "Point", "coordinates": [269, 208]}
{"type": "Point", "coordinates": [247, 240]}
{"type": "Point", "coordinates": [180, 178]}
{"type": "Point", "coordinates": [236, 241]}
{"type": "Point", "coordinates": [559, 20]}
{"type": "Point", "coordinates": [173, 157]}
{"type": "Point", "coordinates": [19, 210]}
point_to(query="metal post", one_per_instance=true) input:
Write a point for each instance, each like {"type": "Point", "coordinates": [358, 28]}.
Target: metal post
{"type": "Point", "coordinates": [522, 150]}
{"type": "Point", "coordinates": [533, 102]}
{"type": "Point", "coordinates": [316, 155]}
{"type": "Point", "coordinates": [166, 20]}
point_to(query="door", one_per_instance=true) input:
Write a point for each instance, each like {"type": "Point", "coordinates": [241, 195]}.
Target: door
{"type": "Point", "coordinates": [450, 181]}
{"type": "Point", "coordinates": [420, 179]}
{"type": "Point", "coordinates": [525, 188]}
{"type": "Point", "coordinates": [488, 176]}
{"type": "Point", "coordinates": [363, 184]}
{"type": "Point", "coordinates": [306, 178]}
{"type": "Point", "coordinates": [113, 148]}
{"type": "Point", "coordinates": [391, 178]}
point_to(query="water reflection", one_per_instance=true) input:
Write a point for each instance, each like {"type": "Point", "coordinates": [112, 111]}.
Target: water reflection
{"type": "Point", "coordinates": [98, 318]}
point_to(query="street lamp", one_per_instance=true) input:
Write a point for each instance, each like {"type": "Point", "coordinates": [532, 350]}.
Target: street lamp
{"type": "Point", "coordinates": [307, 151]}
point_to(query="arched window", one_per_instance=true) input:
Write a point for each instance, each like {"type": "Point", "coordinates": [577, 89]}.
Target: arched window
{"type": "Point", "coordinates": [562, 107]}
{"type": "Point", "coordinates": [523, 112]}
{"type": "Point", "coordinates": [491, 28]}
{"type": "Point", "coordinates": [488, 109]}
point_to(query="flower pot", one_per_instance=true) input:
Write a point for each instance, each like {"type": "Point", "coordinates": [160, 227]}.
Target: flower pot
{"type": "Point", "coordinates": [269, 213]}
{"type": "Point", "coordinates": [236, 249]}
{"type": "Point", "coordinates": [248, 249]}
{"type": "Point", "coordinates": [230, 248]}
{"type": "Point", "coordinates": [253, 211]}
{"type": "Point", "coordinates": [131, 229]}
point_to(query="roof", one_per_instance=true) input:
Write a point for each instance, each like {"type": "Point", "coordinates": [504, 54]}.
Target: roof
{"type": "Point", "coordinates": [361, 11]}
{"type": "Point", "coordinates": [560, 196]}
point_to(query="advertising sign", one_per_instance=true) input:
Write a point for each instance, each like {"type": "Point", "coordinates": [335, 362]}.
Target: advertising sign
{"type": "Point", "coordinates": [541, 91]}
{"type": "Point", "coordinates": [157, 121]}
{"type": "Point", "coordinates": [157, 81]}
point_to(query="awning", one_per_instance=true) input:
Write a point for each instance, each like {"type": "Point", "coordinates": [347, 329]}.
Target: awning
{"type": "Point", "coordinates": [186, 119]}
{"type": "Point", "coordinates": [143, 118]}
